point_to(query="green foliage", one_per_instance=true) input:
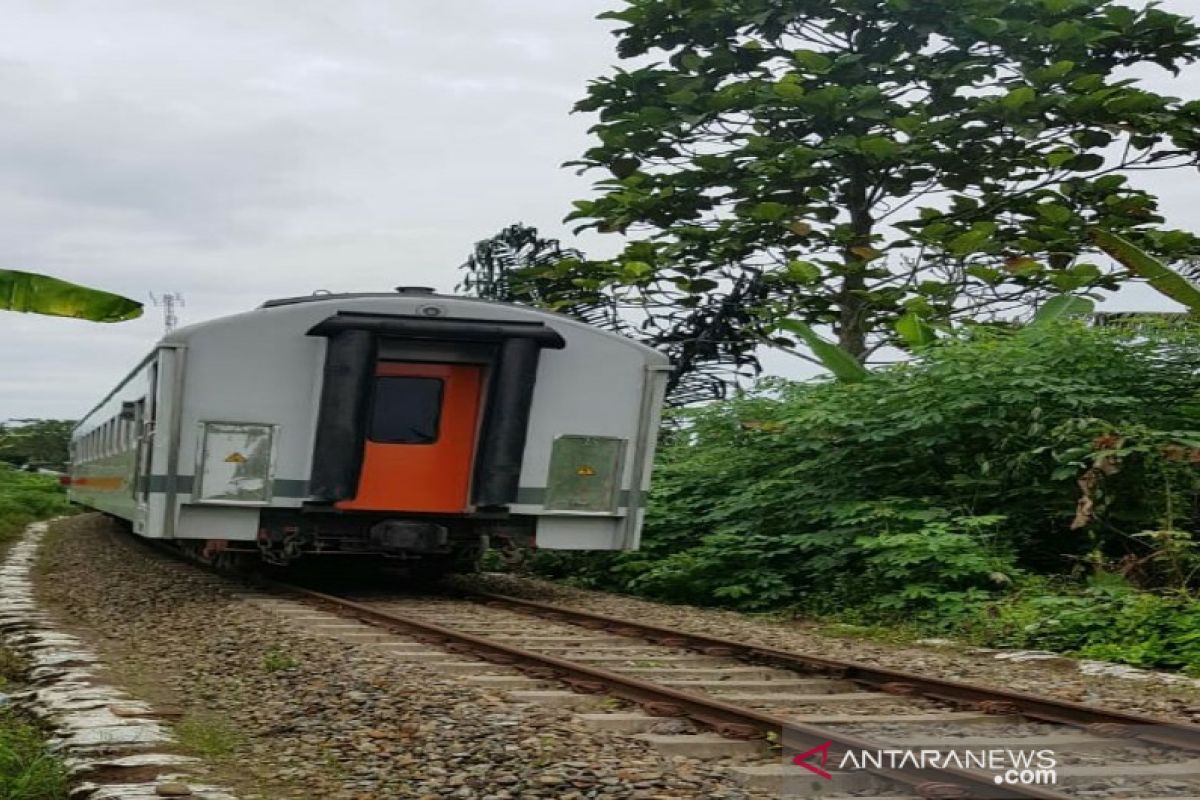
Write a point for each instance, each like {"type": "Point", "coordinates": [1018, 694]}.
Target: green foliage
{"type": "Point", "coordinates": [914, 332]}
{"type": "Point", "coordinates": [1062, 307]}
{"type": "Point", "coordinates": [28, 770]}
{"type": "Point", "coordinates": [843, 365]}
{"type": "Point", "coordinates": [1159, 275]}
{"type": "Point", "coordinates": [41, 294]}
{"type": "Point", "coordinates": [887, 558]}
{"type": "Point", "coordinates": [707, 346]}
{"type": "Point", "coordinates": [926, 491]}
{"type": "Point", "coordinates": [943, 157]}
{"type": "Point", "coordinates": [1107, 620]}
{"type": "Point", "coordinates": [39, 442]}
{"type": "Point", "coordinates": [518, 265]}
{"type": "Point", "coordinates": [26, 497]}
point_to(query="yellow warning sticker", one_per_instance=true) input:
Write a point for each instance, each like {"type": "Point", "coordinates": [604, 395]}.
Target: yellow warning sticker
{"type": "Point", "coordinates": [235, 458]}
{"type": "Point", "coordinates": [585, 471]}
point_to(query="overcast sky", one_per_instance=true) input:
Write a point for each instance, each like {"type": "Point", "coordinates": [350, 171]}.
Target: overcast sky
{"type": "Point", "coordinates": [237, 150]}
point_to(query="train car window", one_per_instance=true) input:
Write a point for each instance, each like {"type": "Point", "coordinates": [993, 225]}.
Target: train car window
{"type": "Point", "coordinates": [406, 410]}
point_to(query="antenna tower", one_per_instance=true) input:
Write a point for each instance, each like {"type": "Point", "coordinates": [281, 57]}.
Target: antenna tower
{"type": "Point", "coordinates": [168, 302]}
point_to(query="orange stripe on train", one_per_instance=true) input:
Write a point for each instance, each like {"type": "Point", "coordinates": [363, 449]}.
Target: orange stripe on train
{"type": "Point", "coordinates": [100, 484]}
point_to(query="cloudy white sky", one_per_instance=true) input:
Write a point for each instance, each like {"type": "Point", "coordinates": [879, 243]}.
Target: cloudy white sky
{"type": "Point", "coordinates": [236, 150]}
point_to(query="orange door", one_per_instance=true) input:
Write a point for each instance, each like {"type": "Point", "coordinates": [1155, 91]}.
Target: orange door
{"type": "Point", "coordinates": [420, 438]}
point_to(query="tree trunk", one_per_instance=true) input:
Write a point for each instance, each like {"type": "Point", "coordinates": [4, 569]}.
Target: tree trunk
{"type": "Point", "coordinates": [853, 311]}
{"type": "Point", "coordinates": [851, 330]}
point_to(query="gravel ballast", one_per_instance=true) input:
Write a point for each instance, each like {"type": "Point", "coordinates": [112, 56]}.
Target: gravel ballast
{"type": "Point", "coordinates": [288, 714]}
{"type": "Point", "coordinates": [282, 711]}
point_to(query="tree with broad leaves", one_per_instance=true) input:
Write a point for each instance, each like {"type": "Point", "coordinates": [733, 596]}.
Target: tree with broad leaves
{"type": "Point", "coordinates": [36, 442]}
{"type": "Point", "coordinates": [706, 343]}
{"type": "Point", "coordinates": [870, 162]}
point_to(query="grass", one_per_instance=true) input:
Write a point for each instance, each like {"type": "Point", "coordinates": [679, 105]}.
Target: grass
{"type": "Point", "coordinates": [26, 497]}
{"type": "Point", "coordinates": [277, 660]}
{"type": "Point", "coordinates": [28, 771]}
{"type": "Point", "coordinates": [207, 736]}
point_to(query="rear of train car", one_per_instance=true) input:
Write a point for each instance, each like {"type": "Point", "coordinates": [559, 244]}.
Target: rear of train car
{"type": "Point", "coordinates": [410, 425]}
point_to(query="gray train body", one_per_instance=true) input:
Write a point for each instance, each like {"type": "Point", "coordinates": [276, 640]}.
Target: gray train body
{"type": "Point", "coordinates": [408, 425]}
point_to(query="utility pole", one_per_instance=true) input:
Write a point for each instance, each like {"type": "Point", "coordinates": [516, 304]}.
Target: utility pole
{"type": "Point", "coordinates": [168, 303]}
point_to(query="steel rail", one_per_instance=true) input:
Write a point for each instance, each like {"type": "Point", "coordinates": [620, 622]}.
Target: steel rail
{"type": "Point", "coordinates": [1097, 721]}
{"type": "Point", "coordinates": [725, 718]}
{"type": "Point", "coordinates": [655, 700]}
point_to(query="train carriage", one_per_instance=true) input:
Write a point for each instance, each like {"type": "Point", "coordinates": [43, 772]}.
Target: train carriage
{"type": "Point", "coordinates": [410, 425]}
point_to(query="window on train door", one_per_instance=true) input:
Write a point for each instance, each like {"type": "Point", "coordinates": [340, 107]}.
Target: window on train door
{"type": "Point", "coordinates": [406, 410]}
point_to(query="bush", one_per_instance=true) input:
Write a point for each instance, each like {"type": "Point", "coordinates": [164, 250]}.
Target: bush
{"type": "Point", "coordinates": [26, 497]}
{"type": "Point", "coordinates": [924, 492]}
{"type": "Point", "coordinates": [1106, 619]}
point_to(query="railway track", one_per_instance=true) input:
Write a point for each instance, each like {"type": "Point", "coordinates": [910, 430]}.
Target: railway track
{"type": "Point", "coordinates": [720, 697]}
{"type": "Point", "coordinates": [733, 697]}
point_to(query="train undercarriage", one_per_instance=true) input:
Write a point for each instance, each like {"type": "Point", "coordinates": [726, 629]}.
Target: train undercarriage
{"type": "Point", "coordinates": [429, 545]}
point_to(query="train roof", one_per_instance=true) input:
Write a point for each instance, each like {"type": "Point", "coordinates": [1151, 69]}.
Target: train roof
{"type": "Point", "coordinates": [407, 291]}
{"type": "Point", "coordinates": [349, 300]}
{"type": "Point", "coordinates": [456, 305]}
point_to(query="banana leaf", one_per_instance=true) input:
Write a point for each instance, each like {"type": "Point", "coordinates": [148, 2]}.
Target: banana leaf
{"type": "Point", "coordinates": [1159, 275]}
{"type": "Point", "coordinates": [844, 366]}
{"type": "Point", "coordinates": [41, 294]}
